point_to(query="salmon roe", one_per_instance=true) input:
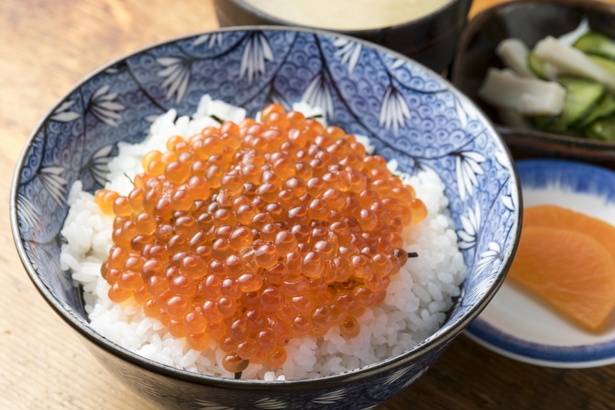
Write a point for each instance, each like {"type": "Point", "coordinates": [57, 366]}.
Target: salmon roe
{"type": "Point", "coordinates": [249, 234]}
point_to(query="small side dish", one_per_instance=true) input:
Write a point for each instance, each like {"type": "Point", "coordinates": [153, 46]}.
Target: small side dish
{"type": "Point", "coordinates": [562, 85]}
{"type": "Point", "coordinates": [565, 257]}
{"type": "Point", "coordinates": [525, 325]}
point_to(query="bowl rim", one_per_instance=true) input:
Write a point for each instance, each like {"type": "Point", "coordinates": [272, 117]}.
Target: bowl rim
{"type": "Point", "coordinates": [475, 25]}
{"type": "Point", "coordinates": [430, 345]}
{"type": "Point", "coordinates": [352, 32]}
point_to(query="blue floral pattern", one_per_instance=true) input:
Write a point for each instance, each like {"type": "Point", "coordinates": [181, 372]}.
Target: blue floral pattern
{"type": "Point", "coordinates": [348, 394]}
{"type": "Point", "coordinates": [407, 111]}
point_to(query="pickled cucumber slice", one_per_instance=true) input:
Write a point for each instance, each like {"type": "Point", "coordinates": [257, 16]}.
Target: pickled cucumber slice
{"type": "Point", "coordinates": [604, 108]}
{"type": "Point", "coordinates": [553, 124]}
{"type": "Point", "coordinates": [537, 66]}
{"type": "Point", "coordinates": [581, 96]}
{"type": "Point", "coordinates": [597, 44]}
{"type": "Point", "coordinates": [603, 129]}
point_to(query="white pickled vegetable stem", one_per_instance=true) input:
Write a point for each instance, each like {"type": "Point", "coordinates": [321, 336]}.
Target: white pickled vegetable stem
{"type": "Point", "coordinates": [528, 96]}
{"type": "Point", "coordinates": [574, 35]}
{"type": "Point", "coordinates": [513, 52]}
{"type": "Point", "coordinates": [569, 60]}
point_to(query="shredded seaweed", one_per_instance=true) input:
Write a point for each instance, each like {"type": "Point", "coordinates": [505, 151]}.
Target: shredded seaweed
{"type": "Point", "coordinates": [413, 255]}
{"type": "Point", "coordinates": [216, 118]}
{"type": "Point", "coordinates": [237, 375]}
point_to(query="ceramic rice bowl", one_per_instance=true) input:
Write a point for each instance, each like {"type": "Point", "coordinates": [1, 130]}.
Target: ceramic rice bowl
{"type": "Point", "coordinates": [408, 112]}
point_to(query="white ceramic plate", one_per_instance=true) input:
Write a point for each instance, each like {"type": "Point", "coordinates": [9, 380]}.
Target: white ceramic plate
{"type": "Point", "coordinates": [520, 326]}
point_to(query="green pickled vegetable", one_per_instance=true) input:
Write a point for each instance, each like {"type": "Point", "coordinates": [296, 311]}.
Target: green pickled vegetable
{"type": "Point", "coordinates": [581, 97]}
{"type": "Point", "coordinates": [537, 66]}
{"type": "Point", "coordinates": [587, 73]}
{"type": "Point", "coordinates": [603, 129]}
{"type": "Point", "coordinates": [597, 44]}
{"type": "Point", "coordinates": [604, 108]}
{"type": "Point", "coordinates": [553, 124]}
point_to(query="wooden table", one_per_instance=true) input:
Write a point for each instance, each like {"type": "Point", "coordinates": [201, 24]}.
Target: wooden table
{"type": "Point", "coordinates": [45, 48]}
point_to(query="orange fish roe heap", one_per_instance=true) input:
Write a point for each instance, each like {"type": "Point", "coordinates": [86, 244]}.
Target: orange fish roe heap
{"type": "Point", "coordinates": [249, 234]}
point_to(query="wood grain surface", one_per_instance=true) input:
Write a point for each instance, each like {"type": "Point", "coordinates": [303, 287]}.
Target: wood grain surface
{"type": "Point", "coordinates": [47, 46]}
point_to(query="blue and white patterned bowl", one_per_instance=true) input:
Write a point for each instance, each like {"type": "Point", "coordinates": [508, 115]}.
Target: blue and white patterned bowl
{"type": "Point", "coordinates": [522, 327]}
{"type": "Point", "coordinates": [409, 112]}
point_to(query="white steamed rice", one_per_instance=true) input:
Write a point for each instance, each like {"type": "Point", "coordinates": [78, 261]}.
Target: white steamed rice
{"type": "Point", "coordinates": [415, 306]}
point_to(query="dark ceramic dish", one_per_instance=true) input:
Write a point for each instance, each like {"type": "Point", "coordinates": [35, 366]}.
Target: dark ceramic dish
{"type": "Point", "coordinates": [430, 40]}
{"type": "Point", "coordinates": [408, 112]}
{"type": "Point", "coordinates": [530, 21]}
